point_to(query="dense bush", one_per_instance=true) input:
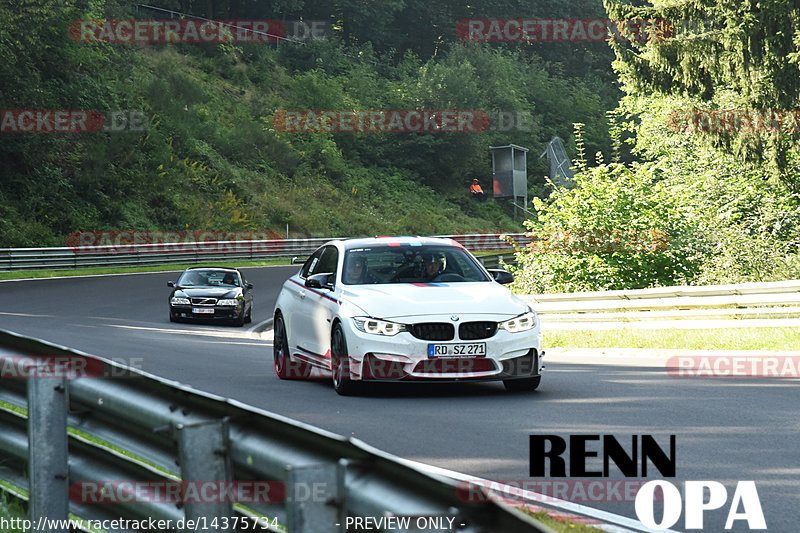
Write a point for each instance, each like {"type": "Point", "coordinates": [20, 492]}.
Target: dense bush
{"type": "Point", "coordinates": [619, 228]}
{"type": "Point", "coordinates": [747, 219]}
{"type": "Point", "coordinates": [722, 220]}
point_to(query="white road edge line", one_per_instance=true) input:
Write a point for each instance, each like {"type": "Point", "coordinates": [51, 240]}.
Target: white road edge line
{"type": "Point", "coordinates": [261, 327]}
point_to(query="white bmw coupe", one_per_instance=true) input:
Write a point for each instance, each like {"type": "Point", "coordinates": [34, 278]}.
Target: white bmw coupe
{"type": "Point", "coordinates": [403, 309]}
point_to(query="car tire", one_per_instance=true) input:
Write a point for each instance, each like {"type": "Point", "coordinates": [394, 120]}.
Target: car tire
{"type": "Point", "coordinates": [172, 317]}
{"type": "Point", "coordinates": [340, 364]}
{"type": "Point", "coordinates": [522, 385]}
{"type": "Point", "coordinates": [282, 363]}
{"type": "Point", "coordinates": [239, 322]}
{"type": "Point", "coordinates": [249, 317]}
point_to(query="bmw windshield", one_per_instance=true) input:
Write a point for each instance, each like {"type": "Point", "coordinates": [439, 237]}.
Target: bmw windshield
{"type": "Point", "coordinates": [410, 264]}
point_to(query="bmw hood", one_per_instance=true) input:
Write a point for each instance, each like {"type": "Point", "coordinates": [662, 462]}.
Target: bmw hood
{"type": "Point", "coordinates": [401, 300]}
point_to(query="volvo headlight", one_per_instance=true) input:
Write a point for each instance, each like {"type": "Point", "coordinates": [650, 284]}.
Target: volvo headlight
{"type": "Point", "coordinates": [228, 301]}
{"type": "Point", "coordinates": [523, 322]}
{"type": "Point", "coordinates": [376, 326]}
{"type": "Point", "coordinates": [175, 300]}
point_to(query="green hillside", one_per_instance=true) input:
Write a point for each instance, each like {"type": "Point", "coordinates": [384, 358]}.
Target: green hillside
{"type": "Point", "coordinates": [687, 171]}
{"type": "Point", "coordinates": [210, 156]}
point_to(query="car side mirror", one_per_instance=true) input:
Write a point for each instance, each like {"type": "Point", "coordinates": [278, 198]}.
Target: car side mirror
{"type": "Point", "coordinates": [503, 277]}
{"type": "Point", "coordinates": [319, 281]}
{"type": "Point", "coordinates": [170, 284]}
{"type": "Point", "coordinates": [249, 286]}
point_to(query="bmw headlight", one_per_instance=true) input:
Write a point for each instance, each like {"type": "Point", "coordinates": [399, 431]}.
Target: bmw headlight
{"type": "Point", "coordinates": [523, 322]}
{"type": "Point", "coordinates": [376, 326]}
{"type": "Point", "coordinates": [176, 300]}
{"type": "Point", "coordinates": [228, 301]}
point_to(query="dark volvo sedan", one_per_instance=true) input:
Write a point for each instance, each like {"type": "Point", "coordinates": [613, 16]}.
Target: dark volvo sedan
{"type": "Point", "coordinates": [211, 293]}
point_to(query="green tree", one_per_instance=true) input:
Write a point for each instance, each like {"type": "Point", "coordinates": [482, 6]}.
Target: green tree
{"type": "Point", "coordinates": [743, 54]}
{"type": "Point", "coordinates": [748, 227]}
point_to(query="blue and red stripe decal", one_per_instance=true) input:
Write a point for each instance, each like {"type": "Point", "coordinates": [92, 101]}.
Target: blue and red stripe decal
{"type": "Point", "coordinates": [320, 293]}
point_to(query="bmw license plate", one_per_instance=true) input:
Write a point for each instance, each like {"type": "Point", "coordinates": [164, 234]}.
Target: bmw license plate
{"type": "Point", "coordinates": [471, 349]}
{"type": "Point", "coordinates": [203, 310]}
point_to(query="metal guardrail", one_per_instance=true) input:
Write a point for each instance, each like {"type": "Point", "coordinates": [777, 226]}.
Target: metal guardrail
{"type": "Point", "coordinates": [171, 432]}
{"type": "Point", "coordinates": [745, 301]}
{"type": "Point", "coordinates": [123, 254]}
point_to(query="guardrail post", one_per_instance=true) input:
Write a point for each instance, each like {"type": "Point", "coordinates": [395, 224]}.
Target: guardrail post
{"type": "Point", "coordinates": [314, 499]}
{"type": "Point", "coordinates": [204, 456]}
{"type": "Point", "coordinates": [48, 463]}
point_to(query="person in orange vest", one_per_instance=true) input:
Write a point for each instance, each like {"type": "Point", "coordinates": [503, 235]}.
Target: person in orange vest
{"type": "Point", "coordinates": [476, 190]}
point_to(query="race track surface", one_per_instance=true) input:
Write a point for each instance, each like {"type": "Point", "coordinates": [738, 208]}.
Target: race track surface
{"type": "Point", "coordinates": [726, 429]}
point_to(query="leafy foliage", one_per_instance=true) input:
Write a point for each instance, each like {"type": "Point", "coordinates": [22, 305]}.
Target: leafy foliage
{"type": "Point", "coordinates": [618, 228]}
{"type": "Point", "coordinates": [748, 50]}
{"type": "Point", "coordinates": [748, 224]}
{"type": "Point", "coordinates": [713, 193]}
{"type": "Point", "coordinates": [690, 214]}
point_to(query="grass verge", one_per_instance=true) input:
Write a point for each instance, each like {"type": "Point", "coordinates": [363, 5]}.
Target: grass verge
{"type": "Point", "coordinates": [10, 509]}
{"type": "Point", "coordinates": [561, 526]}
{"type": "Point", "coordinates": [683, 339]}
{"type": "Point", "coordinates": [34, 274]}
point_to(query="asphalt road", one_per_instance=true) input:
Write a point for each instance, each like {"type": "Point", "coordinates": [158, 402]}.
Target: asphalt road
{"type": "Point", "coordinates": [726, 430]}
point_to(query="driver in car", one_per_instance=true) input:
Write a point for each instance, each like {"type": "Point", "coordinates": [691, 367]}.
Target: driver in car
{"type": "Point", "coordinates": [432, 265]}
{"type": "Point", "coordinates": [355, 272]}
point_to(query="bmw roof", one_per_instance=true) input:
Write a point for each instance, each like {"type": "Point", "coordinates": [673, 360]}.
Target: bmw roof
{"type": "Point", "coordinates": [398, 241]}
